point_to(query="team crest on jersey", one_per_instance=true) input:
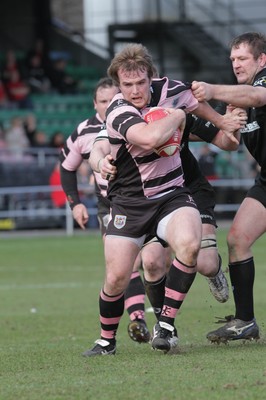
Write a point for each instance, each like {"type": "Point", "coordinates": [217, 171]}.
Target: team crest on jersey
{"type": "Point", "coordinates": [120, 221]}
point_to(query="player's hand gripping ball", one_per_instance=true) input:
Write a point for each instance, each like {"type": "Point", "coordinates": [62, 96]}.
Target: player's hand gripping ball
{"type": "Point", "coordinates": [172, 145]}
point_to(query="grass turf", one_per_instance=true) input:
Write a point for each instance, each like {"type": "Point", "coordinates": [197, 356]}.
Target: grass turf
{"type": "Point", "coordinates": [49, 315]}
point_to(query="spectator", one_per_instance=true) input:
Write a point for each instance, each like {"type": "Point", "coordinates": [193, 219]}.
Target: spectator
{"type": "Point", "coordinates": [58, 196]}
{"type": "Point", "coordinates": [37, 79]}
{"type": "Point", "coordinates": [18, 91]}
{"type": "Point", "coordinates": [40, 139]}
{"type": "Point", "coordinates": [57, 140]}
{"type": "Point", "coordinates": [37, 64]}
{"type": "Point", "coordinates": [38, 51]}
{"type": "Point", "coordinates": [207, 162]}
{"type": "Point", "coordinates": [61, 81]}
{"type": "Point", "coordinates": [10, 65]}
{"type": "Point", "coordinates": [3, 143]}
{"type": "Point", "coordinates": [4, 103]}
{"type": "Point", "coordinates": [30, 126]}
{"type": "Point", "coordinates": [16, 138]}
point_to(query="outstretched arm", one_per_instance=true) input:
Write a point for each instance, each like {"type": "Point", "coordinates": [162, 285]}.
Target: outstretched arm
{"type": "Point", "coordinates": [239, 95]}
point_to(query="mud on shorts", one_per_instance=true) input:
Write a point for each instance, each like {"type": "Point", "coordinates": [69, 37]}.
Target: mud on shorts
{"type": "Point", "coordinates": [135, 217]}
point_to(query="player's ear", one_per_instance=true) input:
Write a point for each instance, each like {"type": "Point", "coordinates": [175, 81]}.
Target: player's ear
{"type": "Point", "coordinates": [262, 60]}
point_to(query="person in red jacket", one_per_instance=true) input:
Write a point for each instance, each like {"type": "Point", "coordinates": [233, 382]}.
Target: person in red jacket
{"type": "Point", "coordinates": [58, 196]}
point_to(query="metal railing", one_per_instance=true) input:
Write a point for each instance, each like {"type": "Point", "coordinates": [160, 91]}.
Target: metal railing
{"type": "Point", "coordinates": [46, 211]}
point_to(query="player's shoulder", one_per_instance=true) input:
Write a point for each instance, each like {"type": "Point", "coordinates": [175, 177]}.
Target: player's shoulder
{"type": "Point", "coordinates": [260, 79]}
{"type": "Point", "coordinates": [119, 107]}
{"type": "Point", "coordinates": [169, 83]}
{"type": "Point", "coordinates": [89, 126]}
{"type": "Point", "coordinates": [117, 102]}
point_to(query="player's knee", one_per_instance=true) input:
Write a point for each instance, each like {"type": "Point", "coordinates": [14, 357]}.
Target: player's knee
{"type": "Point", "coordinates": [153, 266]}
{"type": "Point", "coordinates": [188, 253]}
{"type": "Point", "coordinates": [192, 245]}
{"type": "Point", "coordinates": [233, 239]}
{"type": "Point", "coordinates": [116, 283]}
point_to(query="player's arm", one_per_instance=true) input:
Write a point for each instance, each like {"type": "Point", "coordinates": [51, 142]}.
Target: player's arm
{"type": "Point", "coordinates": [222, 140]}
{"type": "Point", "coordinates": [228, 125]}
{"type": "Point", "coordinates": [239, 95]}
{"type": "Point", "coordinates": [101, 160]}
{"type": "Point", "coordinates": [70, 187]}
{"type": "Point", "coordinates": [101, 148]}
{"type": "Point", "coordinates": [202, 130]}
{"type": "Point", "coordinates": [154, 134]}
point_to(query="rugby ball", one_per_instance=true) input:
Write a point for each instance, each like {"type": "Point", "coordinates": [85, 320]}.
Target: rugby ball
{"type": "Point", "coordinates": [172, 145]}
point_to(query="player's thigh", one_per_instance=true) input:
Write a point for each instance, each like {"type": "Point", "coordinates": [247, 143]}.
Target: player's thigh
{"type": "Point", "coordinates": [137, 263]}
{"type": "Point", "coordinates": [120, 255]}
{"type": "Point", "coordinates": [249, 222]}
{"type": "Point", "coordinates": [184, 228]}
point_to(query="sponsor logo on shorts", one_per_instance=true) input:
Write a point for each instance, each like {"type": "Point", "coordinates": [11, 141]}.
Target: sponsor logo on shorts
{"type": "Point", "coordinates": [120, 221]}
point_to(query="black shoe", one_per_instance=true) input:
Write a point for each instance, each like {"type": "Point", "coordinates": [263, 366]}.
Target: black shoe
{"type": "Point", "coordinates": [164, 337]}
{"type": "Point", "coordinates": [234, 330]}
{"type": "Point", "coordinates": [102, 348]}
{"type": "Point", "coordinates": [138, 331]}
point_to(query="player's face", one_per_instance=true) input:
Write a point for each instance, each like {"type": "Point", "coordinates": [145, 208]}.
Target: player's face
{"type": "Point", "coordinates": [135, 87]}
{"type": "Point", "coordinates": [244, 65]}
{"type": "Point", "coordinates": [103, 99]}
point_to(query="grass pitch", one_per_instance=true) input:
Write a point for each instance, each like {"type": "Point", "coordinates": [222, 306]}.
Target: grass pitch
{"type": "Point", "coordinates": [49, 291]}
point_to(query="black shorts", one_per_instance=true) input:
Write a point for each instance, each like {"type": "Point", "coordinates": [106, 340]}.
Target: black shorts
{"type": "Point", "coordinates": [258, 192]}
{"type": "Point", "coordinates": [135, 217]}
{"type": "Point", "coordinates": [154, 239]}
{"type": "Point", "coordinates": [204, 196]}
{"type": "Point", "coordinates": [103, 213]}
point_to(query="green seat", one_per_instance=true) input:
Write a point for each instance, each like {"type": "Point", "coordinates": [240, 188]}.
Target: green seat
{"type": "Point", "coordinates": [81, 72]}
{"type": "Point", "coordinates": [59, 103]}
